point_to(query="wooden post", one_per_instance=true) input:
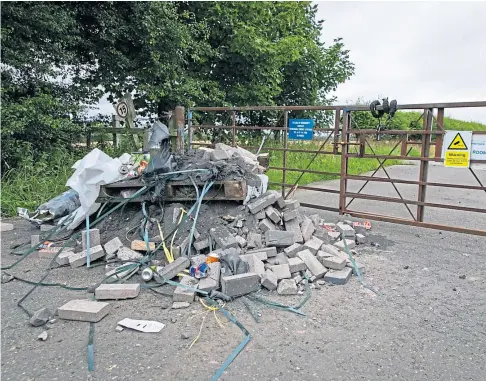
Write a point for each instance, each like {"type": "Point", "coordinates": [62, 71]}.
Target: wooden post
{"type": "Point", "coordinates": [179, 120]}
{"type": "Point", "coordinates": [115, 123]}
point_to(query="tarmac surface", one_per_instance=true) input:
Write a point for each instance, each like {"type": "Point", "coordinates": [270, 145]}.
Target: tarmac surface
{"type": "Point", "coordinates": [427, 322]}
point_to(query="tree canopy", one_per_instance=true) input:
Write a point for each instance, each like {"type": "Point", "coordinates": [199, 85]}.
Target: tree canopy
{"type": "Point", "coordinates": [166, 53]}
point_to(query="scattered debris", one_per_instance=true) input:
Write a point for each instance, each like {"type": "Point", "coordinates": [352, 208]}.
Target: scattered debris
{"type": "Point", "coordinates": [6, 226]}
{"type": "Point", "coordinates": [148, 326]}
{"type": "Point", "coordinates": [40, 317]}
{"type": "Point", "coordinates": [84, 310]}
{"type": "Point", "coordinates": [42, 336]}
{"type": "Point", "coordinates": [242, 240]}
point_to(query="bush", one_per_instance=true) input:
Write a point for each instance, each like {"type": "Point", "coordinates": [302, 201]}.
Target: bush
{"type": "Point", "coordinates": [32, 126]}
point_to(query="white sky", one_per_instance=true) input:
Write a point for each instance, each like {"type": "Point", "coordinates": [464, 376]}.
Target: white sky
{"type": "Point", "coordinates": [414, 52]}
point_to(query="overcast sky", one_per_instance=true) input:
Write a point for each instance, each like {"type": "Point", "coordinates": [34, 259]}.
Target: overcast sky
{"type": "Point", "coordinates": [414, 52]}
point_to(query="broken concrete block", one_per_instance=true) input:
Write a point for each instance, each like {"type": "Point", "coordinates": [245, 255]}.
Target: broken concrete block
{"type": "Point", "coordinates": [84, 310]}
{"type": "Point", "coordinates": [241, 284]}
{"type": "Point", "coordinates": [253, 240]}
{"type": "Point", "coordinates": [223, 238]}
{"type": "Point", "coordinates": [35, 240]}
{"type": "Point", "coordinates": [287, 287]}
{"type": "Point", "coordinates": [313, 245]}
{"type": "Point", "coordinates": [46, 227]}
{"type": "Point", "coordinates": [333, 262]}
{"type": "Point", "coordinates": [241, 241]}
{"type": "Point", "coordinates": [360, 266]}
{"type": "Point", "coordinates": [126, 254]}
{"type": "Point", "coordinates": [172, 269]}
{"type": "Point", "coordinates": [321, 233]}
{"type": "Point", "coordinates": [345, 229]}
{"type": "Point", "coordinates": [6, 226]}
{"type": "Point", "coordinates": [256, 265]}
{"type": "Point", "coordinates": [40, 317]}
{"type": "Point", "coordinates": [211, 282]}
{"type": "Point", "coordinates": [307, 228]}
{"type": "Point", "coordinates": [279, 238]}
{"type": "Point", "coordinates": [179, 305]}
{"type": "Point", "coordinates": [63, 258]}
{"type": "Point", "coordinates": [281, 259]}
{"type": "Point", "coordinates": [262, 202]}
{"type": "Point", "coordinates": [294, 227]}
{"type": "Point", "coordinates": [280, 200]}
{"type": "Point", "coordinates": [117, 291]}
{"type": "Point", "coordinates": [333, 235]}
{"type": "Point", "coordinates": [182, 294]}
{"type": "Point", "coordinates": [322, 254]}
{"type": "Point", "coordinates": [292, 204]}
{"type": "Point", "coordinates": [313, 265]}
{"type": "Point", "coordinates": [266, 225]}
{"type": "Point", "coordinates": [297, 278]}
{"type": "Point", "coordinates": [219, 154]}
{"type": "Point", "coordinates": [260, 215]}
{"type": "Point", "coordinates": [201, 245]}
{"type": "Point", "coordinates": [338, 277]}
{"type": "Point", "coordinates": [94, 238]}
{"type": "Point", "coordinates": [196, 260]}
{"type": "Point", "coordinates": [330, 249]}
{"type": "Point", "coordinates": [272, 214]}
{"type": "Point", "coordinates": [269, 280]}
{"type": "Point", "coordinates": [51, 252]}
{"type": "Point", "coordinates": [290, 214]}
{"type": "Point", "coordinates": [296, 265]}
{"type": "Point", "coordinates": [269, 251]}
{"type": "Point", "coordinates": [350, 243]}
{"type": "Point", "coordinates": [281, 271]}
{"type": "Point", "coordinates": [79, 259]}
{"type": "Point", "coordinates": [112, 246]}
{"type": "Point", "coordinates": [292, 250]}
{"type": "Point", "coordinates": [360, 239]}
{"type": "Point", "coordinates": [139, 245]}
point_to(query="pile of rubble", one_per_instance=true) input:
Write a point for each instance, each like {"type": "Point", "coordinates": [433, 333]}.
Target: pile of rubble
{"type": "Point", "coordinates": [269, 243]}
{"type": "Point", "coordinates": [248, 239]}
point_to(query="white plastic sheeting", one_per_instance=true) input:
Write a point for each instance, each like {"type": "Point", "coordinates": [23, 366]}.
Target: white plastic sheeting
{"type": "Point", "coordinates": [92, 171]}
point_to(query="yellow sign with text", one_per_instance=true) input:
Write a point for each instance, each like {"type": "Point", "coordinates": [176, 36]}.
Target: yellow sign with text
{"type": "Point", "coordinates": [456, 149]}
{"type": "Point", "coordinates": [457, 159]}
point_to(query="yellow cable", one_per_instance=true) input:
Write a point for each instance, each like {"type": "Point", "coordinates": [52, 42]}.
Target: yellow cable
{"type": "Point", "coordinates": [173, 236]}
{"type": "Point", "coordinates": [168, 255]}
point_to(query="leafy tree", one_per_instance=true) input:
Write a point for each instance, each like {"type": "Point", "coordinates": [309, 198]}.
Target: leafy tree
{"type": "Point", "coordinates": [166, 54]}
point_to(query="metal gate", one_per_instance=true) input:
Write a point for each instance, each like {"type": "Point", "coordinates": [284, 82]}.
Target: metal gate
{"type": "Point", "coordinates": [338, 138]}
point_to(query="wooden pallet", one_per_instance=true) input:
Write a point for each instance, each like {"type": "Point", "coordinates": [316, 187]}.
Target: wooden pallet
{"type": "Point", "coordinates": [234, 190]}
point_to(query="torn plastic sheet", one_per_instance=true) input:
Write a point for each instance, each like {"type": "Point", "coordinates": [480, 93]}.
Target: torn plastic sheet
{"type": "Point", "coordinates": [254, 191]}
{"type": "Point", "coordinates": [59, 206]}
{"type": "Point", "coordinates": [92, 171]}
{"type": "Point", "coordinates": [161, 159]}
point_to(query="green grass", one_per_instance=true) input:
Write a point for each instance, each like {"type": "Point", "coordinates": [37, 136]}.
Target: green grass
{"type": "Point", "coordinates": [326, 163]}
{"type": "Point", "coordinates": [37, 181]}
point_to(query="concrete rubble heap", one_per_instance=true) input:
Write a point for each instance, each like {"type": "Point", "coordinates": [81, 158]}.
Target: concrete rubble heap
{"type": "Point", "coordinates": [265, 244]}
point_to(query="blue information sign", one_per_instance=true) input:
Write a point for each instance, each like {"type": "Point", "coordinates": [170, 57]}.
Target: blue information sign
{"type": "Point", "coordinates": [301, 129]}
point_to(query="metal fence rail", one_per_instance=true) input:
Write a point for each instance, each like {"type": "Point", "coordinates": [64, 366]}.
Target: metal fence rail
{"type": "Point", "coordinates": [344, 135]}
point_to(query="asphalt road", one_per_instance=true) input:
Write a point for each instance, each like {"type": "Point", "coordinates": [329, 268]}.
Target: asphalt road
{"type": "Point", "coordinates": [427, 323]}
{"type": "Point", "coordinates": [439, 195]}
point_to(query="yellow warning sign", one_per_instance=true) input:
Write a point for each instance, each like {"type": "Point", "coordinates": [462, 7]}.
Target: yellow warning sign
{"type": "Point", "coordinates": [456, 159]}
{"type": "Point", "coordinates": [456, 149]}
{"type": "Point", "coordinates": [457, 143]}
